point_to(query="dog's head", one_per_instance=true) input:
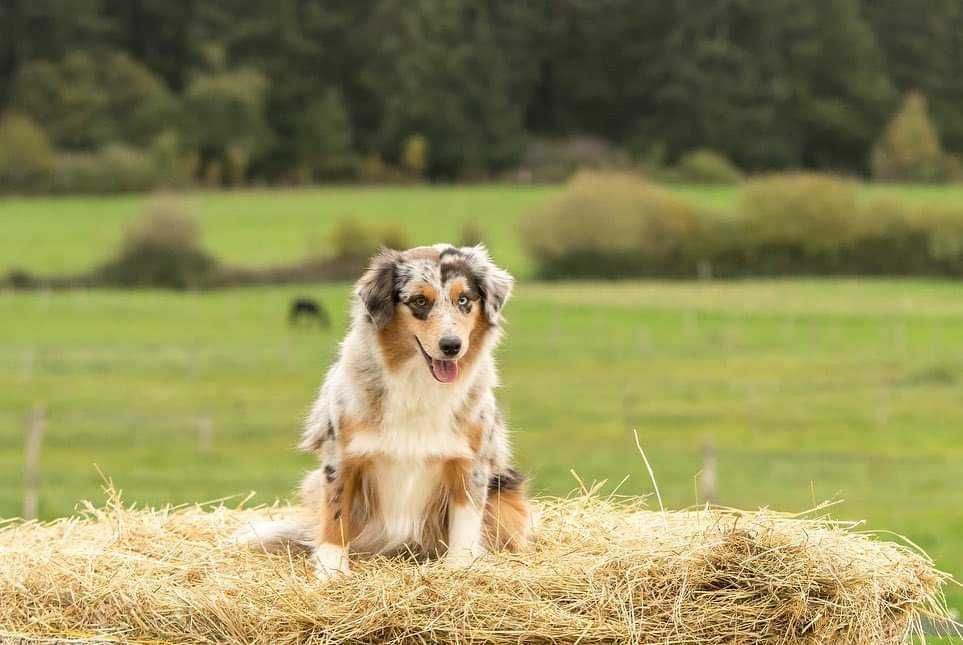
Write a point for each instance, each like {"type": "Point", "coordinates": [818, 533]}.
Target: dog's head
{"type": "Point", "coordinates": [439, 302]}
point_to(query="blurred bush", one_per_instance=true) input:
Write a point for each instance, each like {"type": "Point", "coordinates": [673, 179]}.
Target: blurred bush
{"type": "Point", "coordinates": [414, 155]}
{"type": "Point", "coordinates": [613, 224]}
{"type": "Point", "coordinates": [161, 248]}
{"type": "Point", "coordinates": [113, 169]}
{"type": "Point", "coordinates": [355, 242]}
{"type": "Point", "coordinates": [705, 166]}
{"type": "Point", "coordinates": [805, 210]}
{"type": "Point", "coordinates": [556, 160]}
{"type": "Point", "coordinates": [909, 149]}
{"type": "Point", "coordinates": [617, 225]}
{"type": "Point", "coordinates": [26, 156]}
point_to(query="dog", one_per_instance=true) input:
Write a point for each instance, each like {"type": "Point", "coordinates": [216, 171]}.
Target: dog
{"type": "Point", "coordinates": [308, 308]}
{"type": "Point", "coordinates": [413, 450]}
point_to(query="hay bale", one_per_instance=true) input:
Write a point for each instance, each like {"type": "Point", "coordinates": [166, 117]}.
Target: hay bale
{"type": "Point", "coordinates": [602, 571]}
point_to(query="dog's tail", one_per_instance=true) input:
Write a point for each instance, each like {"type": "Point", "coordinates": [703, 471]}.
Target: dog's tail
{"type": "Point", "coordinates": [274, 536]}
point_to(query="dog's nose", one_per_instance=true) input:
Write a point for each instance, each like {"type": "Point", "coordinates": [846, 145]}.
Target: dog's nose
{"type": "Point", "coordinates": [450, 345]}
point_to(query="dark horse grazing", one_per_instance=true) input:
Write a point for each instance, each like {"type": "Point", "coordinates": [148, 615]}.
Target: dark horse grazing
{"type": "Point", "coordinates": [306, 308]}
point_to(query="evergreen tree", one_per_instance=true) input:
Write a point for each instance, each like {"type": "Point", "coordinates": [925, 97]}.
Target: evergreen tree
{"type": "Point", "coordinates": [437, 73]}
{"type": "Point", "coordinates": [909, 149]}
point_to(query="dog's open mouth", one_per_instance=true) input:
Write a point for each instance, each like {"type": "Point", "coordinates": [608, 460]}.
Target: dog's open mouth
{"type": "Point", "coordinates": [443, 371]}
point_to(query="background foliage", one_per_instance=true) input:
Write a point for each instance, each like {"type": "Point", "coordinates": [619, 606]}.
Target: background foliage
{"type": "Point", "coordinates": [300, 90]}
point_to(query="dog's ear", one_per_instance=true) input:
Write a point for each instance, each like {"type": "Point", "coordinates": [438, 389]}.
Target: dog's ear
{"type": "Point", "coordinates": [376, 288]}
{"type": "Point", "coordinates": [494, 282]}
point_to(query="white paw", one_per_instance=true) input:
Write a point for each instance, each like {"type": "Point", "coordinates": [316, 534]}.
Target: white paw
{"type": "Point", "coordinates": [463, 557]}
{"type": "Point", "coordinates": [330, 561]}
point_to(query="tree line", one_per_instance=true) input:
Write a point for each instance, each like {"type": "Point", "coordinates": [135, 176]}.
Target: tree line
{"type": "Point", "coordinates": [309, 90]}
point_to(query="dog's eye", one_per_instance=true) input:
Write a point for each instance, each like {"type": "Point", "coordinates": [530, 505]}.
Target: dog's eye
{"type": "Point", "coordinates": [419, 301]}
{"type": "Point", "coordinates": [463, 301]}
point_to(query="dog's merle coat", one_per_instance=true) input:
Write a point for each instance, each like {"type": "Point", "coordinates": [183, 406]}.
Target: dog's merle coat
{"type": "Point", "coordinates": [413, 449]}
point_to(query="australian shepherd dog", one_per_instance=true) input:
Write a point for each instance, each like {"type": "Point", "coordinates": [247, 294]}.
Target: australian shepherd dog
{"type": "Point", "coordinates": [414, 455]}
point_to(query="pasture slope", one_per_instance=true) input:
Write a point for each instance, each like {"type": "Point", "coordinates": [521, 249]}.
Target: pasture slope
{"type": "Point", "coordinates": [810, 389]}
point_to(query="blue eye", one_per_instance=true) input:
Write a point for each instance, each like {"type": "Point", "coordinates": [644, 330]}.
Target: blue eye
{"type": "Point", "coordinates": [462, 301]}
{"type": "Point", "coordinates": [420, 301]}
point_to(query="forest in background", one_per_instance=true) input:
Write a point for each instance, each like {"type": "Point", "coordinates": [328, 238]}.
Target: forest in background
{"type": "Point", "coordinates": [300, 91]}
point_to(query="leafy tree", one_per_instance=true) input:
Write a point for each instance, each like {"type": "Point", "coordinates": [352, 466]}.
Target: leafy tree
{"type": "Point", "coordinates": [227, 121]}
{"type": "Point", "coordinates": [923, 49]}
{"type": "Point", "coordinates": [46, 29]}
{"type": "Point", "coordinates": [88, 100]}
{"type": "Point", "coordinates": [323, 138]}
{"type": "Point", "coordinates": [26, 157]}
{"type": "Point", "coordinates": [909, 149]}
{"type": "Point", "coordinates": [437, 72]}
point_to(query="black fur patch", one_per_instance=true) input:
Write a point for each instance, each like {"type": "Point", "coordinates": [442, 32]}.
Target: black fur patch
{"type": "Point", "coordinates": [510, 480]}
{"type": "Point", "coordinates": [330, 473]}
{"type": "Point", "coordinates": [420, 312]}
{"type": "Point", "coordinates": [449, 251]}
{"type": "Point", "coordinates": [451, 270]}
{"type": "Point", "coordinates": [330, 434]}
{"type": "Point", "coordinates": [377, 290]}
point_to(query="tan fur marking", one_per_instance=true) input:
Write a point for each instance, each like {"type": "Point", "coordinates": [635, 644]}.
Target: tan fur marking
{"type": "Point", "coordinates": [507, 523]}
{"type": "Point", "coordinates": [428, 292]}
{"type": "Point", "coordinates": [474, 432]}
{"type": "Point", "coordinates": [343, 516]}
{"type": "Point", "coordinates": [456, 478]}
{"type": "Point", "coordinates": [396, 340]}
{"type": "Point", "coordinates": [479, 328]}
{"type": "Point", "coordinates": [458, 286]}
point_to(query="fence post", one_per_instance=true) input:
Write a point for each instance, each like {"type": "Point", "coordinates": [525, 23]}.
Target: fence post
{"type": "Point", "coordinates": [708, 477]}
{"type": "Point", "coordinates": [31, 470]}
{"type": "Point", "coordinates": [205, 435]}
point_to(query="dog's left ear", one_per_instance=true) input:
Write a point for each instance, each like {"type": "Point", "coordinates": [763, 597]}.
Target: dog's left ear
{"type": "Point", "coordinates": [376, 288]}
{"type": "Point", "coordinates": [494, 282]}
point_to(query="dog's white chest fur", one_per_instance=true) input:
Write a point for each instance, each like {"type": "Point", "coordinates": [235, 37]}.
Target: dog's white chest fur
{"type": "Point", "coordinates": [404, 488]}
{"type": "Point", "coordinates": [417, 435]}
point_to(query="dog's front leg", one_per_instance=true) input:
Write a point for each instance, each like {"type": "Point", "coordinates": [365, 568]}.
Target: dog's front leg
{"type": "Point", "coordinates": [328, 493]}
{"type": "Point", "coordinates": [468, 489]}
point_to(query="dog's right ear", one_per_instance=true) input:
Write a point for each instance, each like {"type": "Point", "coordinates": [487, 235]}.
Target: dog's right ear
{"type": "Point", "coordinates": [376, 288]}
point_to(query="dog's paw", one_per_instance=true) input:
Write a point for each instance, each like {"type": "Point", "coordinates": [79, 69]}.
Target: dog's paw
{"type": "Point", "coordinates": [463, 557]}
{"type": "Point", "coordinates": [330, 561]}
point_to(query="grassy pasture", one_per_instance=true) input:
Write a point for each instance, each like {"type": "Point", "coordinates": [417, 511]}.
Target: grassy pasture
{"type": "Point", "coordinates": [260, 227]}
{"type": "Point", "coordinates": [809, 389]}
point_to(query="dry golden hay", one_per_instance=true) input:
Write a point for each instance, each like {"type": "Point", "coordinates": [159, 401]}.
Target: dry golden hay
{"type": "Point", "coordinates": [603, 571]}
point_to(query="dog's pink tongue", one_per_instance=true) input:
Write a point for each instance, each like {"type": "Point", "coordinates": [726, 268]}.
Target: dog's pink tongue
{"type": "Point", "coordinates": [444, 371]}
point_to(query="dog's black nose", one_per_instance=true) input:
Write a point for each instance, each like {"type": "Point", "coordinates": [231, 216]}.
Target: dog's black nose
{"type": "Point", "coordinates": [450, 345]}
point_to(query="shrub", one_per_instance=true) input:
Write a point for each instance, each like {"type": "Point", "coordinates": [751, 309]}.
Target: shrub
{"type": "Point", "coordinates": [555, 160]}
{"type": "Point", "coordinates": [809, 210]}
{"type": "Point", "coordinates": [909, 148]}
{"type": "Point", "coordinates": [353, 241]}
{"type": "Point", "coordinates": [609, 224]}
{"type": "Point", "coordinates": [414, 155]}
{"type": "Point", "coordinates": [707, 167]}
{"type": "Point", "coordinates": [161, 249]}
{"type": "Point", "coordinates": [26, 157]}
{"type": "Point", "coordinates": [116, 168]}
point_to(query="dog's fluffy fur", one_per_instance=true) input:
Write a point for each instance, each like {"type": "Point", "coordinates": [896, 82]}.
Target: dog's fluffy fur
{"type": "Point", "coordinates": [413, 450]}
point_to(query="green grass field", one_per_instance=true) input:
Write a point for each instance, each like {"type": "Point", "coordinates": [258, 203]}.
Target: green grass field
{"type": "Point", "coordinates": [810, 389]}
{"type": "Point", "coordinates": [255, 227]}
